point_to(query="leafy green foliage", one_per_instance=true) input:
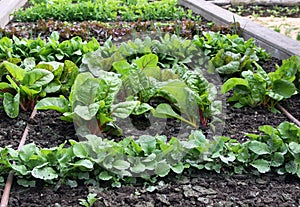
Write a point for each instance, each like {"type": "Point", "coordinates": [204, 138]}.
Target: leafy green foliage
{"type": "Point", "coordinates": [229, 54]}
{"type": "Point", "coordinates": [50, 50]}
{"type": "Point", "coordinates": [274, 149]}
{"type": "Point", "coordinates": [104, 11]}
{"type": "Point", "coordinates": [263, 88]}
{"type": "Point", "coordinates": [23, 87]}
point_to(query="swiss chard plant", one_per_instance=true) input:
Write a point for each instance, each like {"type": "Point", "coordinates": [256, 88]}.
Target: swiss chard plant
{"type": "Point", "coordinates": [261, 88]}
{"type": "Point", "coordinates": [21, 87]}
{"type": "Point", "coordinates": [93, 100]}
{"type": "Point", "coordinates": [173, 55]}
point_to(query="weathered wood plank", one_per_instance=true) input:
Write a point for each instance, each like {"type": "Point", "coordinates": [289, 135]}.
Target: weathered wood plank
{"type": "Point", "coordinates": [277, 44]}
{"type": "Point", "coordinates": [7, 7]}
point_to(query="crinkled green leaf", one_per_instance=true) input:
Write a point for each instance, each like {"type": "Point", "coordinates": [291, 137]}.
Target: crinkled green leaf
{"type": "Point", "coordinates": [60, 104]}
{"type": "Point", "coordinates": [261, 165]}
{"type": "Point", "coordinates": [11, 104]}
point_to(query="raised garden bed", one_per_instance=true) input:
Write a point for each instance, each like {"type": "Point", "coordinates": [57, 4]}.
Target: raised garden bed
{"type": "Point", "coordinates": [238, 181]}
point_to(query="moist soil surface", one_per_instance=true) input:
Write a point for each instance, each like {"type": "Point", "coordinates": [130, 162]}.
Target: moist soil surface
{"type": "Point", "coordinates": [192, 188]}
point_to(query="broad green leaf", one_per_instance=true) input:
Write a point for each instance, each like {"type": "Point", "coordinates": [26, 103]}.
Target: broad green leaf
{"type": "Point", "coordinates": [104, 175]}
{"type": "Point", "coordinates": [21, 169]}
{"type": "Point", "coordinates": [148, 143]}
{"type": "Point", "coordinates": [291, 167]}
{"type": "Point", "coordinates": [85, 164]}
{"type": "Point", "coordinates": [27, 151]}
{"type": "Point", "coordinates": [294, 147]}
{"type": "Point", "coordinates": [52, 87]}
{"type": "Point", "coordinates": [142, 108]}
{"type": "Point", "coordinates": [60, 104]}
{"type": "Point", "coordinates": [233, 82]}
{"type": "Point", "coordinates": [162, 169]}
{"type": "Point", "coordinates": [230, 68]}
{"type": "Point", "coordinates": [277, 159]}
{"type": "Point", "coordinates": [15, 71]}
{"type": "Point", "coordinates": [261, 165]}
{"type": "Point", "coordinates": [87, 112]}
{"type": "Point", "coordinates": [121, 164]}
{"type": "Point", "coordinates": [282, 88]}
{"type": "Point", "coordinates": [69, 74]}
{"type": "Point", "coordinates": [178, 168]}
{"type": "Point", "coordinates": [289, 131]}
{"type": "Point", "coordinates": [259, 148]}
{"type": "Point", "coordinates": [122, 67]}
{"type": "Point", "coordinates": [81, 150]}
{"type": "Point", "coordinates": [138, 168]}
{"type": "Point", "coordinates": [124, 109]}
{"type": "Point", "coordinates": [4, 85]}
{"type": "Point", "coordinates": [11, 104]}
{"type": "Point", "coordinates": [37, 78]}
{"type": "Point", "coordinates": [44, 173]}
{"type": "Point", "coordinates": [87, 92]}
{"type": "Point", "coordinates": [147, 62]}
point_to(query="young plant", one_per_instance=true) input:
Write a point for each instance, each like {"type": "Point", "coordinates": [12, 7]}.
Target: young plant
{"type": "Point", "coordinates": [23, 87]}
{"type": "Point", "coordinates": [263, 88]}
{"type": "Point", "coordinates": [89, 201]}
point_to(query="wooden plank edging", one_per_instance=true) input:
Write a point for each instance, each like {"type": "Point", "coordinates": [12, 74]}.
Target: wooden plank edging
{"type": "Point", "coordinates": [273, 42]}
{"type": "Point", "coordinates": [7, 7]}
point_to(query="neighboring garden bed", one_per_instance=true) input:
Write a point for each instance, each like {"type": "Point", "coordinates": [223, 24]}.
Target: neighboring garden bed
{"type": "Point", "coordinates": [283, 19]}
{"type": "Point", "coordinates": [229, 55]}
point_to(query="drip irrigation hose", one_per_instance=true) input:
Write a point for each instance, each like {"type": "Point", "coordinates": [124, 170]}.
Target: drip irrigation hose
{"type": "Point", "coordinates": [9, 181]}
{"type": "Point", "coordinates": [290, 116]}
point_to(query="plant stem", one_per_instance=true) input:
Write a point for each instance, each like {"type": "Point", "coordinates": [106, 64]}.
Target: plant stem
{"type": "Point", "coordinates": [290, 116]}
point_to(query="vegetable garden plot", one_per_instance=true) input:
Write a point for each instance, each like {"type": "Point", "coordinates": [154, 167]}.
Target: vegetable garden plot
{"type": "Point", "coordinates": [229, 55]}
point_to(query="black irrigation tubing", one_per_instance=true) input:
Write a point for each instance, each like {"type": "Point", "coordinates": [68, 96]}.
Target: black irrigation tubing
{"type": "Point", "coordinates": [290, 116]}
{"type": "Point", "coordinates": [9, 181]}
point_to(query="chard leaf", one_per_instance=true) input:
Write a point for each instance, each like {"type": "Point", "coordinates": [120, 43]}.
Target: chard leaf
{"type": "Point", "coordinates": [277, 159]}
{"type": "Point", "coordinates": [162, 169]}
{"type": "Point", "coordinates": [291, 167]}
{"type": "Point", "coordinates": [16, 72]}
{"type": "Point", "coordinates": [53, 87]}
{"type": "Point", "coordinates": [37, 78]}
{"type": "Point", "coordinates": [11, 104]}
{"type": "Point", "coordinates": [21, 169]}
{"type": "Point", "coordinates": [84, 164]}
{"type": "Point", "coordinates": [259, 148]}
{"type": "Point", "coordinates": [178, 168]}
{"type": "Point", "coordinates": [294, 147]}
{"type": "Point", "coordinates": [60, 104]}
{"type": "Point", "coordinates": [261, 165]}
{"type": "Point", "coordinates": [138, 168]}
{"type": "Point", "coordinates": [121, 164]}
{"type": "Point", "coordinates": [230, 68]}
{"type": "Point", "coordinates": [233, 82]}
{"type": "Point", "coordinates": [148, 144]}
{"type": "Point", "coordinates": [87, 112]}
{"type": "Point", "coordinates": [105, 176]}
{"type": "Point", "coordinates": [4, 85]}
{"type": "Point", "coordinates": [124, 109]}
{"type": "Point", "coordinates": [87, 92]}
{"type": "Point", "coordinates": [68, 76]}
{"type": "Point", "coordinates": [147, 62]}
{"type": "Point", "coordinates": [44, 173]}
{"type": "Point", "coordinates": [122, 67]}
{"type": "Point", "coordinates": [142, 108]}
{"type": "Point", "coordinates": [282, 89]}
{"type": "Point", "coordinates": [289, 131]}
